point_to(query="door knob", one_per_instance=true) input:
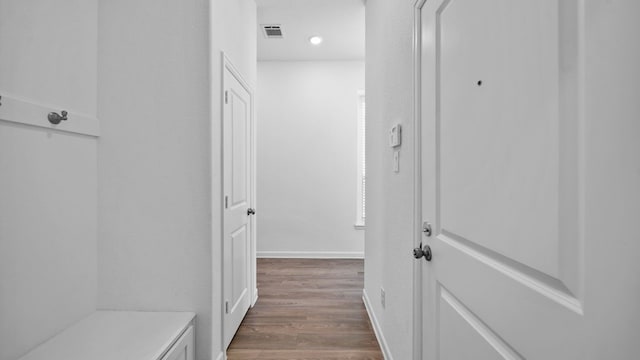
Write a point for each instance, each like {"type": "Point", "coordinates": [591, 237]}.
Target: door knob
{"type": "Point", "coordinates": [251, 211]}
{"type": "Point", "coordinates": [422, 251]}
{"type": "Point", "coordinates": [56, 118]}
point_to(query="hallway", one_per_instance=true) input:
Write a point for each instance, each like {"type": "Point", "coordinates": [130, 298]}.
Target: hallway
{"type": "Point", "coordinates": [165, 165]}
{"type": "Point", "coordinates": [307, 309]}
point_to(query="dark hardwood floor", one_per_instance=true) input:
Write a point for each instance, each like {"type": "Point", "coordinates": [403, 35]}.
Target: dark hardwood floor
{"type": "Point", "coordinates": [307, 310]}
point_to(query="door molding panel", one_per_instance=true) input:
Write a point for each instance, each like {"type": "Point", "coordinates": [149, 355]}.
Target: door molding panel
{"type": "Point", "coordinates": [493, 341]}
{"type": "Point", "coordinates": [557, 275]}
{"type": "Point", "coordinates": [537, 281]}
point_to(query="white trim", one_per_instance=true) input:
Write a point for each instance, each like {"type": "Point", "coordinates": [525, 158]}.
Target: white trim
{"type": "Point", "coordinates": [417, 176]}
{"type": "Point", "coordinates": [377, 329]}
{"type": "Point", "coordinates": [310, 254]}
{"type": "Point", "coordinates": [222, 356]}
{"type": "Point", "coordinates": [360, 158]}
{"type": "Point", "coordinates": [254, 196]}
{"type": "Point", "coordinates": [255, 297]}
{"type": "Point", "coordinates": [28, 112]}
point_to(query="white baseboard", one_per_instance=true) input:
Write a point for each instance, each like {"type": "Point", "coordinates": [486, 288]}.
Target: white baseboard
{"type": "Point", "coordinates": [376, 327]}
{"type": "Point", "coordinates": [255, 297]}
{"type": "Point", "coordinates": [311, 254]}
{"type": "Point", "coordinates": [222, 356]}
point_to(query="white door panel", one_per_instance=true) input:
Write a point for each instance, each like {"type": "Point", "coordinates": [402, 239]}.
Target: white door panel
{"type": "Point", "coordinates": [239, 107]}
{"type": "Point", "coordinates": [464, 336]}
{"type": "Point", "coordinates": [529, 177]}
{"type": "Point", "coordinates": [502, 180]}
{"type": "Point", "coordinates": [498, 134]}
{"type": "Point", "coordinates": [237, 192]}
{"type": "Point", "coordinates": [238, 253]}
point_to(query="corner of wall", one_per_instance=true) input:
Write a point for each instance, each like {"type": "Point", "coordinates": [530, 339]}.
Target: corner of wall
{"type": "Point", "coordinates": [390, 195]}
{"type": "Point", "coordinates": [377, 326]}
{"type": "Point", "coordinates": [232, 30]}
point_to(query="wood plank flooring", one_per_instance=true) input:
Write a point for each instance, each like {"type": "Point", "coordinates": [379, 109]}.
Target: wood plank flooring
{"type": "Point", "coordinates": [307, 309]}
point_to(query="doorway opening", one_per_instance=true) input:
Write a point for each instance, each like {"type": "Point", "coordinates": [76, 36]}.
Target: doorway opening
{"type": "Point", "coordinates": [310, 183]}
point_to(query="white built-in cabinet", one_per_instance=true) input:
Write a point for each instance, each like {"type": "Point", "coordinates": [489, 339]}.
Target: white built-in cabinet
{"type": "Point", "coordinates": [183, 348]}
{"type": "Point", "coordinates": [123, 335]}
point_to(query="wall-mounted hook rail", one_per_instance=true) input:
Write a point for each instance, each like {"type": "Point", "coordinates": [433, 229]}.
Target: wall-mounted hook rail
{"type": "Point", "coordinates": [20, 111]}
{"type": "Point", "coordinates": [56, 118]}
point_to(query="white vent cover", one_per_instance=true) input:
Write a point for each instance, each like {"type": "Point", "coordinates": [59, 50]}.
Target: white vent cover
{"type": "Point", "coordinates": [272, 31]}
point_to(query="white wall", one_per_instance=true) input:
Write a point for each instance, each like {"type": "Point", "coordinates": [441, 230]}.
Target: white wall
{"type": "Point", "coordinates": [389, 233]}
{"type": "Point", "coordinates": [156, 69]}
{"type": "Point", "coordinates": [154, 246]}
{"type": "Point", "coordinates": [47, 177]}
{"type": "Point", "coordinates": [159, 204]}
{"type": "Point", "coordinates": [611, 117]}
{"type": "Point", "coordinates": [307, 168]}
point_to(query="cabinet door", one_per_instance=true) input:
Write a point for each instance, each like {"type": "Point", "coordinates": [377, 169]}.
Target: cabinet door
{"type": "Point", "coordinates": [183, 349]}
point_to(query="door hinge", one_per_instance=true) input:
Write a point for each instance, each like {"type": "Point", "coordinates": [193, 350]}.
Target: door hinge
{"type": "Point", "coordinates": [226, 202]}
{"type": "Point", "coordinates": [226, 97]}
{"type": "Point", "coordinates": [226, 307]}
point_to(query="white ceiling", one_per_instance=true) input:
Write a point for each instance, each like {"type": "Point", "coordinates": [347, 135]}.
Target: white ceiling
{"type": "Point", "coordinates": [339, 22]}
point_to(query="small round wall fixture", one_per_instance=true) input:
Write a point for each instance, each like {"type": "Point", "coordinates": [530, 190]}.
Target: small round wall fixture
{"type": "Point", "coordinates": [315, 40]}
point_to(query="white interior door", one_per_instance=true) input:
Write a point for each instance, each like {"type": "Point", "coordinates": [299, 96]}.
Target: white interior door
{"type": "Point", "coordinates": [506, 191]}
{"type": "Point", "coordinates": [237, 169]}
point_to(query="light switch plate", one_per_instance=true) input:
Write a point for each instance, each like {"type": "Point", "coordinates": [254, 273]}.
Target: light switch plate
{"type": "Point", "coordinates": [395, 135]}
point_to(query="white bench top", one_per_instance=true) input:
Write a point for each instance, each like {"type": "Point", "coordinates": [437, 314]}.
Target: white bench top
{"type": "Point", "coordinates": [115, 335]}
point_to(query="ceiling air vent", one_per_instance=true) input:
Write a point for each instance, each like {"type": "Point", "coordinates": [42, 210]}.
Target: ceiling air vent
{"type": "Point", "coordinates": [272, 31]}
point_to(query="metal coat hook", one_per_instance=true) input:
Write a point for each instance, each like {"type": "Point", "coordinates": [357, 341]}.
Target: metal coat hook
{"type": "Point", "coordinates": [56, 118]}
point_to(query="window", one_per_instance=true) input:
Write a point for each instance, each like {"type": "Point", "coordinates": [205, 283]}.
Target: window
{"type": "Point", "coordinates": [362, 168]}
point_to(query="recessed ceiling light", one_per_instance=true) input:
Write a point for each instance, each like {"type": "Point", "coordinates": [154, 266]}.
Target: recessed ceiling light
{"type": "Point", "coordinates": [315, 40]}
